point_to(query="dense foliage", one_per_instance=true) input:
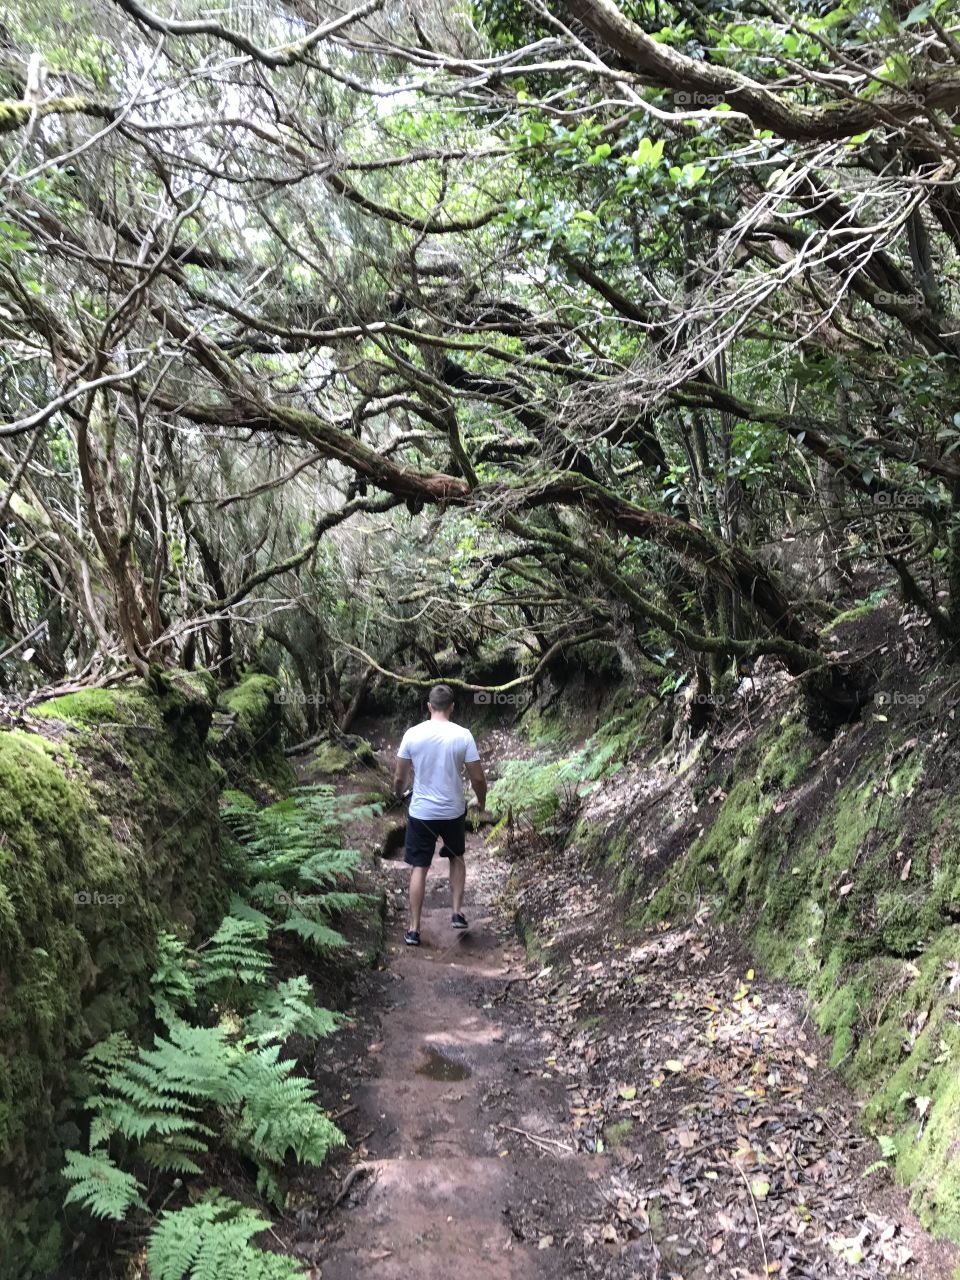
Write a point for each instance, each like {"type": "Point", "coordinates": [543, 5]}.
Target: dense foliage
{"type": "Point", "coordinates": [213, 1075]}
{"type": "Point", "coordinates": [337, 338]}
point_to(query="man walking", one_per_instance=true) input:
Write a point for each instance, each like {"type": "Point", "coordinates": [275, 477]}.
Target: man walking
{"type": "Point", "coordinates": [437, 752]}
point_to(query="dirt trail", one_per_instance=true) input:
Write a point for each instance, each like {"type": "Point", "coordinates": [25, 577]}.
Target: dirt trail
{"type": "Point", "coordinates": [605, 1103]}
{"type": "Point", "coordinates": [445, 1188]}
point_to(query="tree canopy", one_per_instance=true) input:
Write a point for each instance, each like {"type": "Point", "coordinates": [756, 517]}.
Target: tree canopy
{"type": "Point", "coordinates": [361, 332]}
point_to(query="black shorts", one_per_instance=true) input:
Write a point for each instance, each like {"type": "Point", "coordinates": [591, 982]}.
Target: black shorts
{"type": "Point", "coordinates": [422, 836]}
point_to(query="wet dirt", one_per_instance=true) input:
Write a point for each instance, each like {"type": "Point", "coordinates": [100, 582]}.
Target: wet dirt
{"type": "Point", "coordinates": [462, 1164]}
{"type": "Point", "coordinates": [439, 1067]}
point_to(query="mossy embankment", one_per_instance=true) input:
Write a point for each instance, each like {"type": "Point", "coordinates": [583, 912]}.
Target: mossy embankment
{"type": "Point", "coordinates": [246, 738]}
{"type": "Point", "coordinates": [839, 859]}
{"type": "Point", "coordinates": [109, 832]}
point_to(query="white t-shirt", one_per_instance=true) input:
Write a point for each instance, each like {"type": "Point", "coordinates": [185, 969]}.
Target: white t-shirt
{"type": "Point", "coordinates": [439, 749]}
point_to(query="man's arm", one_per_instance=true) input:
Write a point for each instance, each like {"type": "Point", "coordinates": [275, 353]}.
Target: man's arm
{"type": "Point", "coordinates": [402, 775]}
{"type": "Point", "coordinates": [478, 781]}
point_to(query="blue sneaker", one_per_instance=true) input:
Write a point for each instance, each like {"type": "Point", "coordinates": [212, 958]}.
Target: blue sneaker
{"type": "Point", "coordinates": [458, 921]}
{"type": "Point", "coordinates": [412, 937]}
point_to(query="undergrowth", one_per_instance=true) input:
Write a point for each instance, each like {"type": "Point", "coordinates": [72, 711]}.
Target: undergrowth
{"type": "Point", "coordinates": [546, 794]}
{"type": "Point", "coordinates": [213, 1075]}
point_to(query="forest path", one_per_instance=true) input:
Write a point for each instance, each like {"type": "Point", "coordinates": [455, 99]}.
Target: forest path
{"type": "Point", "coordinates": [603, 1101]}
{"type": "Point", "coordinates": [647, 1109]}
{"type": "Point", "coordinates": [445, 1188]}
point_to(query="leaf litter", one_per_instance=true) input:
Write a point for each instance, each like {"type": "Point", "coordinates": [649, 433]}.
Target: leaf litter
{"type": "Point", "coordinates": [730, 1149]}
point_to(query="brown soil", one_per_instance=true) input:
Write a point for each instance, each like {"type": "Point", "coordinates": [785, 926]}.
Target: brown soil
{"type": "Point", "coordinates": [466, 1163]}
{"type": "Point", "coordinates": [625, 1106]}
{"type": "Point", "coordinates": [642, 1108]}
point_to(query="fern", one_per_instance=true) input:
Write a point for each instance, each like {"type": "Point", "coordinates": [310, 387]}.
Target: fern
{"type": "Point", "coordinates": [236, 955]}
{"type": "Point", "coordinates": [289, 1009]}
{"type": "Point", "coordinates": [103, 1189]}
{"type": "Point", "coordinates": [338, 902]}
{"type": "Point", "coordinates": [279, 1114]}
{"type": "Point", "coordinates": [327, 866]}
{"type": "Point", "coordinates": [211, 1240]}
{"type": "Point", "coordinates": [172, 986]}
{"type": "Point", "coordinates": [171, 1098]}
{"type": "Point", "coordinates": [158, 1096]}
{"type": "Point", "coordinates": [312, 931]}
{"type": "Point", "coordinates": [196, 1062]}
{"type": "Point", "coordinates": [295, 869]}
{"type": "Point", "coordinates": [535, 791]}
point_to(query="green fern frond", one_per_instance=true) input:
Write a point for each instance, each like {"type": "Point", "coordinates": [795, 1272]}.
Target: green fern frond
{"type": "Point", "coordinates": [103, 1189]}
{"type": "Point", "coordinates": [197, 1062]}
{"type": "Point", "coordinates": [355, 807]}
{"type": "Point", "coordinates": [313, 931]}
{"type": "Point", "coordinates": [337, 902]}
{"type": "Point", "coordinates": [236, 954]}
{"type": "Point", "coordinates": [211, 1240]}
{"type": "Point", "coordinates": [280, 1114]}
{"type": "Point", "coordinates": [241, 909]}
{"type": "Point", "coordinates": [289, 1009]}
{"type": "Point", "coordinates": [174, 1157]}
{"type": "Point", "coordinates": [327, 865]}
{"type": "Point", "coordinates": [172, 988]}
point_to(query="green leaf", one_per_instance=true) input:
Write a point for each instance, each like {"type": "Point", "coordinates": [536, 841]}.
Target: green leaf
{"type": "Point", "coordinates": [919, 13]}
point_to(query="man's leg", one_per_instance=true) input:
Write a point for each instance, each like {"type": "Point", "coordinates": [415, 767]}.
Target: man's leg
{"type": "Point", "coordinates": [458, 878]}
{"type": "Point", "coordinates": [418, 884]}
{"type": "Point", "coordinates": [419, 855]}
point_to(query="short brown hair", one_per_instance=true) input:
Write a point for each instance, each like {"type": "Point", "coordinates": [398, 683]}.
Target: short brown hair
{"type": "Point", "coordinates": [441, 697]}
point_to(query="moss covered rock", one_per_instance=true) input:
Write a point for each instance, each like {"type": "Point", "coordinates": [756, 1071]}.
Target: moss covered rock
{"type": "Point", "coordinates": [343, 755]}
{"type": "Point", "coordinates": [108, 833]}
{"type": "Point", "coordinates": [247, 740]}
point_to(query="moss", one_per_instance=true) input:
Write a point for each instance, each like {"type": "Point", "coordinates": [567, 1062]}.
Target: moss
{"type": "Point", "coordinates": [715, 863]}
{"type": "Point", "coordinates": [616, 1134]}
{"type": "Point", "coordinates": [108, 832]}
{"type": "Point", "coordinates": [787, 758]}
{"type": "Point", "coordinates": [914, 1058]}
{"type": "Point", "coordinates": [332, 758]}
{"type": "Point", "coordinates": [856, 614]}
{"type": "Point", "coordinates": [90, 707]}
{"type": "Point", "coordinates": [249, 738]}
{"type": "Point", "coordinates": [531, 941]}
{"type": "Point", "coordinates": [546, 730]}
{"type": "Point", "coordinates": [349, 757]}
{"type": "Point", "coordinates": [850, 889]}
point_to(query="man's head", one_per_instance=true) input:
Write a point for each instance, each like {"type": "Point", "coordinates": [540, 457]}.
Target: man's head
{"type": "Point", "coordinates": [440, 700]}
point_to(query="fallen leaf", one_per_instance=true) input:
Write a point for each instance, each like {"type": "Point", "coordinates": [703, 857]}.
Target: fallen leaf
{"type": "Point", "coordinates": [546, 1242]}
{"type": "Point", "coordinates": [628, 1092]}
